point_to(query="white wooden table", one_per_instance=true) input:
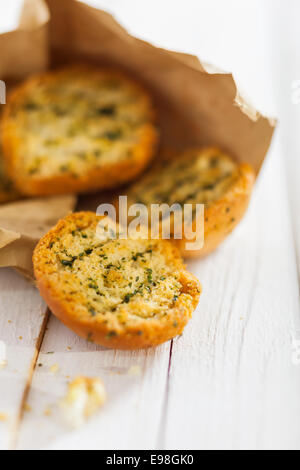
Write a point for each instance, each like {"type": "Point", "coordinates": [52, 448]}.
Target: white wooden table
{"type": "Point", "coordinates": [232, 380]}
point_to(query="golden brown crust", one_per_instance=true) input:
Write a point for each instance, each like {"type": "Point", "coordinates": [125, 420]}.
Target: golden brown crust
{"type": "Point", "coordinates": [223, 215]}
{"type": "Point", "coordinates": [7, 191]}
{"type": "Point", "coordinates": [223, 211]}
{"type": "Point", "coordinates": [96, 176]}
{"type": "Point", "coordinates": [108, 177]}
{"type": "Point", "coordinates": [7, 194]}
{"type": "Point", "coordinates": [138, 331]}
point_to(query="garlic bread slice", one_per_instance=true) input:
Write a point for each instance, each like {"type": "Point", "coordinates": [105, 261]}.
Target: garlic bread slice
{"type": "Point", "coordinates": [77, 129]}
{"type": "Point", "coordinates": [8, 192]}
{"type": "Point", "coordinates": [120, 293]}
{"type": "Point", "coordinates": [198, 176]}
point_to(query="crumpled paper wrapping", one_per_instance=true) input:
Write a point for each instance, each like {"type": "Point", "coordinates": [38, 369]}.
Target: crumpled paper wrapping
{"type": "Point", "coordinates": [23, 223]}
{"type": "Point", "coordinates": [197, 104]}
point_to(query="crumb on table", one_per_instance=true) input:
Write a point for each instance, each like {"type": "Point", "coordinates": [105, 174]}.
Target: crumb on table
{"type": "Point", "coordinates": [84, 397]}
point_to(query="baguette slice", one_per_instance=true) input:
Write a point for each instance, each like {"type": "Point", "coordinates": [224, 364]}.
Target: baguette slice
{"type": "Point", "coordinates": [8, 192]}
{"type": "Point", "coordinates": [198, 176]}
{"type": "Point", "coordinates": [77, 129]}
{"type": "Point", "coordinates": [120, 293]}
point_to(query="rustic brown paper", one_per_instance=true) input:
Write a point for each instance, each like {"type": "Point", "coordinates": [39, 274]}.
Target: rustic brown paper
{"type": "Point", "coordinates": [23, 223]}
{"type": "Point", "coordinates": [23, 52]}
{"type": "Point", "coordinates": [194, 107]}
{"type": "Point", "coordinates": [197, 105]}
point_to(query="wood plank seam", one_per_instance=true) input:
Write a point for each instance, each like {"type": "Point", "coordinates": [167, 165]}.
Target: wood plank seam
{"type": "Point", "coordinates": [162, 429]}
{"type": "Point", "coordinates": [38, 345]}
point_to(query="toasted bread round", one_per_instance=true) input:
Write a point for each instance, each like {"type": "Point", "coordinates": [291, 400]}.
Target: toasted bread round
{"type": "Point", "coordinates": [77, 129]}
{"type": "Point", "coordinates": [8, 192]}
{"type": "Point", "coordinates": [198, 176]}
{"type": "Point", "coordinates": [120, 293]}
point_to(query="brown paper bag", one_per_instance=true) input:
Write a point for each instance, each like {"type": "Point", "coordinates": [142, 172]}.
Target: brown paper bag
{"type": "Point", "coordinates": [23, 223]}
{"type": "Point", "coordinates": [196, 105]}
{"type": "Point", "coordinates": [23, 52]}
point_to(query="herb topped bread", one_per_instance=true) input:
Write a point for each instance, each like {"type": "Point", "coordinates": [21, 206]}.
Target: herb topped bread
{"type": "Point", "coordinates": [120, 293]}
{"type": "Point", "coordinates": [7, 191]}
{"type": "Point", "coordinates": [199, 176]}
{"type": "Point", "coordinates": [77, 129]}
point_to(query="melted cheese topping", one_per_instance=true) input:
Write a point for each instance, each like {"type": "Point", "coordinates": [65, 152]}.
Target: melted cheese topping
{"type": "Point", "coordinates": [78, 119]}
{"type": "Point", "coordinates": [113, 279]}
{"type": "Point", "coordinates": [195, 177]}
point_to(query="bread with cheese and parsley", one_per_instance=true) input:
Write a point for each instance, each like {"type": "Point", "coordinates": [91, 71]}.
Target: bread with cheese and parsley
{"type": "Point", "coordinates": [78, 129]}
{"type": "Point", "coordinates": [121, 293]}
{"type": "Point", "coordinates": [8, 192]}
{"type": "Point", "coordinates": [198, 176]}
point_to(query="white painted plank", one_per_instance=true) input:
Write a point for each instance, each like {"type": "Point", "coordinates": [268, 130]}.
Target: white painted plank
{"type": "Point", "coordinates": [22, 313]}
{"type": "Point", "coordinates": [284, 45]}
{"type": "Point", "coordinates": [293, 174]}
{"type": "Point", "coordinates": [132, 416]}
{"type": "Point", "coordinates": [232, 381]}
